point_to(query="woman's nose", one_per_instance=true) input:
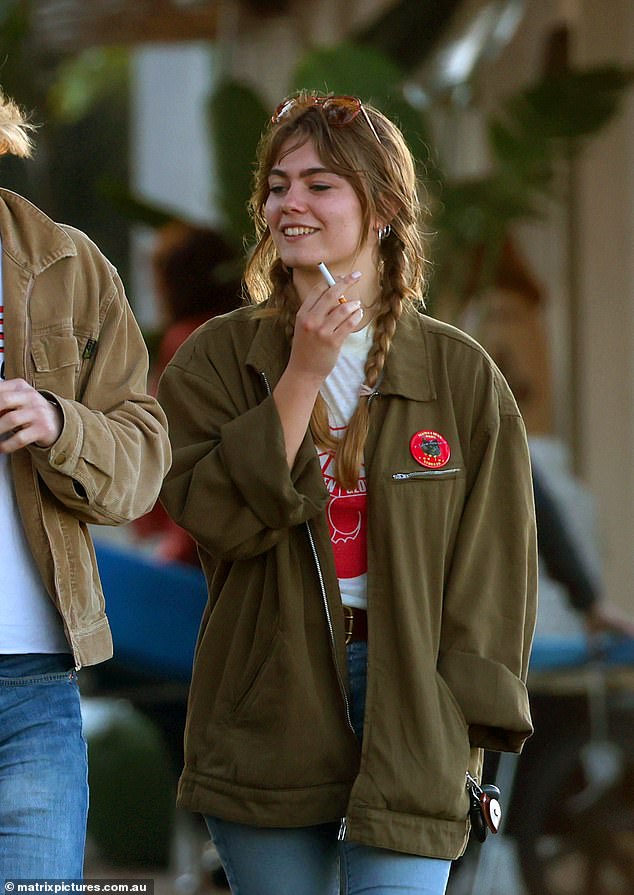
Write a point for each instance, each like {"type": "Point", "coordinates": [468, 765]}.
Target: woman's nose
{"type": "Point", "coordinates": [293, 199]}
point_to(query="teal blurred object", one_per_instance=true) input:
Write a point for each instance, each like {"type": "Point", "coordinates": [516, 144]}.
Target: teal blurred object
{"type": "Point", "coordinates": [135, 713]}
{"type": "Point", "coordinates": [154, 610]}
{"type": "Point", "coordinates": [553, 653]}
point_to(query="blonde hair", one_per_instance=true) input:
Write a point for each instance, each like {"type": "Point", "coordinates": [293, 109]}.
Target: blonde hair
{"type": "Point", "coordinates": [384, 179]}
{"type": "Point", "coordinates": [14, 129]}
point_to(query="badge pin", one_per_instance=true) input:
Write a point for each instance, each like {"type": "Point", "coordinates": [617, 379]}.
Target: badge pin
{"type": "Point", "coordinates": [430, 449]}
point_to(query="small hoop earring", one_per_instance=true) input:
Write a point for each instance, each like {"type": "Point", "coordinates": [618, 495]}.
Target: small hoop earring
{"type": "Point", "coordinates": [383, 232]}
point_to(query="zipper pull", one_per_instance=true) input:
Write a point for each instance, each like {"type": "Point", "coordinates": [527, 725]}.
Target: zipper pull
{"type": "Point", "coordinates": [343, 829]}
{"type": "Point", "coordinates": [89, 349]}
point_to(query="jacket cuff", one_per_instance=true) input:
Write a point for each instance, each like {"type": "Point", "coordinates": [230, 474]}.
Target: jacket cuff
{"type": "Point", "coordinates": [62, 456]}
{"type": "Point", "coordinates": [494, 701]}
{"type": "Point", "coordinates": [280, 498]}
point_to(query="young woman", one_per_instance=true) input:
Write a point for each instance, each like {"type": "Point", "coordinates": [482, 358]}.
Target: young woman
{"type": "Point", "coordinates": [357, 478]}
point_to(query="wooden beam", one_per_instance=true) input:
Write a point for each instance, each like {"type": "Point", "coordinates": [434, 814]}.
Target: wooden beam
{"type": "Point", "coordinates": [71, 25]}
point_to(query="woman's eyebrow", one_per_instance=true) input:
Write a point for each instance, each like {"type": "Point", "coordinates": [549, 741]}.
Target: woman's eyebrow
{"type": "Point", "coordinates": [307, 172]}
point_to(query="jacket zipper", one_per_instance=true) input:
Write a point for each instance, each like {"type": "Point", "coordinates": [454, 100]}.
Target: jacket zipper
{"type": "Point", "coordinates": [420, 474]}
{"type": "Point", "coordinates": [324, 600]}
{"type": "Point", "coordinates": [331, 631]}
{"type": "Point", "coordinates": [27, 333]}
{"type": "Point", "coordinates": [343, 826]}
{"type": "Point", "coordinates": [28, 375]}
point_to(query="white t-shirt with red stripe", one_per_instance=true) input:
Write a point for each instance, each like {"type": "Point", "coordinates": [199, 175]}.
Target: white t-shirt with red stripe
{"type": "Point", "coordinates": [29, 622]}
{"type": "Point", "coordinates": [347, 510]}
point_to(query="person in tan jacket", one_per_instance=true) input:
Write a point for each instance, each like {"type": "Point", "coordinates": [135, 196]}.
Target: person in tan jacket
{"type": "Point", "coordinates": [80, 442]}
{"type": "Point", "coordinates": [356, 475]}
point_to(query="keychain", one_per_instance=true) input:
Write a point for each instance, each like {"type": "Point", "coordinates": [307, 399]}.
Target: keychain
{"type": "Point", "coordinates": [485, 811]}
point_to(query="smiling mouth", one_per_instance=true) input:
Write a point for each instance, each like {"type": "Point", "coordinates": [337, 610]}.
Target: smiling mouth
{"type": "Point", "coordinates": [298, 231]}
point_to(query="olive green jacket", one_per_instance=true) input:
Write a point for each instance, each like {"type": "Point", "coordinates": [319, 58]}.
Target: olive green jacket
{"type": "Point", "coordinates": [451, 590]}
{"type": "Point", "coordinates": [70, 333]}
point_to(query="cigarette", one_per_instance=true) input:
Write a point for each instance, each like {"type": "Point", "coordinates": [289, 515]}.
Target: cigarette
{"type": "Point", "coordinates": [328, 277]}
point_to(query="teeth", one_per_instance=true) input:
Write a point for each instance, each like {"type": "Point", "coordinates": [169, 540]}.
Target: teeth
{"type": "Point", "coordinates": [298, 231]}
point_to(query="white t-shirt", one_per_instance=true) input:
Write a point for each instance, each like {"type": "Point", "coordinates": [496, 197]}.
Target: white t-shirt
{"type": "Point", "coordinates": [29, 622]}
{"type": "Point", "coordinates": [347, 510]}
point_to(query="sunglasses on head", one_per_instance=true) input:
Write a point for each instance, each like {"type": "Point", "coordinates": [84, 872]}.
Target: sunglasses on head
{"type": "Point", "coordinates": [339, 110]}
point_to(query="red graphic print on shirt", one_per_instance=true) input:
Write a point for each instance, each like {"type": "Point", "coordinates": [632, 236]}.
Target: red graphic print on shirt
{"type": "Point", "coordinates": [347, 520]}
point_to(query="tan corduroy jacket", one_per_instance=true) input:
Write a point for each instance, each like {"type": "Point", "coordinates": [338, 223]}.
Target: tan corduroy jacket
{"type": "Point", "coordinates": [70, 333]}
{"type": "Point", "coordinates": [451, 590]}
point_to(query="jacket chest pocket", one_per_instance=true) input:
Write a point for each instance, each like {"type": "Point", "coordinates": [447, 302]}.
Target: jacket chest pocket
{"type": "Point", "coordinates": [424, 496]}
{"type": "Point", "coordinates": [56, 363]}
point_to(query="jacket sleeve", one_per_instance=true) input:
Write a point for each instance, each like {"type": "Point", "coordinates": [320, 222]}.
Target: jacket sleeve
{"type": "Point", "coordinates": [108, 463]}
{"type": "Point", "coordinates": [491, 593]}
{"type": "Point", "coordinates": [230, 486]}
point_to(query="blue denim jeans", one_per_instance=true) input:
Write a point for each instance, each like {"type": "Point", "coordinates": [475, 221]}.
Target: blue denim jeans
{"type": "Point", "coordinates": [43, 769]}
{"type": "Point", "coordinates": [310, 860]}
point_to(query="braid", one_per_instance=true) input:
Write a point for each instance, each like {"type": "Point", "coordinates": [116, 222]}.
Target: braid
{"type": "Point", "coordinates": [390, 311]}
{"type": "Point", "coordinates": [320, 428]}
{"type": "Point", "coordinates": [351, 447]}
{"type": "Point", "coordinates": [284, 299]}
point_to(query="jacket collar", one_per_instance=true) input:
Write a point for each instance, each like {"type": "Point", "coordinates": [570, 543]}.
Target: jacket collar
{"type": "Point", "coordinates": [29, 236]}
{"type": "Point", "coordinates": [269, 350]}
{"type": "Point", "coordinates": [407, 372]}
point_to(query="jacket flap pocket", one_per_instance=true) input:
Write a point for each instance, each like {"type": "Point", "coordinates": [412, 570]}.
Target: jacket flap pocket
{"type": "Point", "coordinates": [54, 351]}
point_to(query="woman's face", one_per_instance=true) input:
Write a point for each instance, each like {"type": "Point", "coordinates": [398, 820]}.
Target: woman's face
{"type": "Point", "coordinates": [314, 215]}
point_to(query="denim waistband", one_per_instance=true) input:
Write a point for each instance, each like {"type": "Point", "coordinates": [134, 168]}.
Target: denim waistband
{"type": "Point", "coordinates": [28, 664]}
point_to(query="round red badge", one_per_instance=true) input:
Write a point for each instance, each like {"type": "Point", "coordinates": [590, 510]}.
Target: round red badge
{"type": "Point", "coordinates": [430, 449]}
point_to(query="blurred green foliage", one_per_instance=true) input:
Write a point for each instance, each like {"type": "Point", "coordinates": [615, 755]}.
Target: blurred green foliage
{"type": "Point", "coordinates": [80, 173]}
{"type": "Point", "coordinates": [80, 106]}
{"type": "Point", "coordinates": [530, 137]}
{"type": "Point", "coordinates": [132, 788]}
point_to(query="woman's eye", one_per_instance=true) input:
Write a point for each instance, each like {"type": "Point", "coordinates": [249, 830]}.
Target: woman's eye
{"type": "Point", "coordinates": [319, 187]}
{"type": "Point", "coordinates": [276, 188]}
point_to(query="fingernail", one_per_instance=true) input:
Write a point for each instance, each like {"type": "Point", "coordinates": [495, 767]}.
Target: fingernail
{"type": "Point", "coordinates": [354, 304]}
{"type": "Point", "coordinates": [356, 275]}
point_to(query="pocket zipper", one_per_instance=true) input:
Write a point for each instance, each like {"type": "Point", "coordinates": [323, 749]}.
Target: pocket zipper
{"type": "Point", "coordinates": [426, 474]}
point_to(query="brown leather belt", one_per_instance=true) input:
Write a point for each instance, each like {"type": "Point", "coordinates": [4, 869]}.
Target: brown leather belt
{"type": "Point", "coordinates": [355, 623]}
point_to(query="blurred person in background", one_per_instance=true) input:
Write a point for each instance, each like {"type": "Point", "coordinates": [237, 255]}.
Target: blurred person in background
{"type": "Point", "coordinates": [504, 313]}
{"type": "Point", "coordinates": [566, 563]}
{"type": "Point", "coordinates": [196, 277]}
{"type": "Point", "coordinates": [356, 476]}
{"type": "Point", "coordinates": [81, 442]}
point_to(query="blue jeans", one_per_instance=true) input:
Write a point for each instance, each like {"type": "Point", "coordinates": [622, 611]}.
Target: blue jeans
{"type": "Point", "coordinates": [310, 860]}
{"type": "Point", "coordinates": [43, 769]}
